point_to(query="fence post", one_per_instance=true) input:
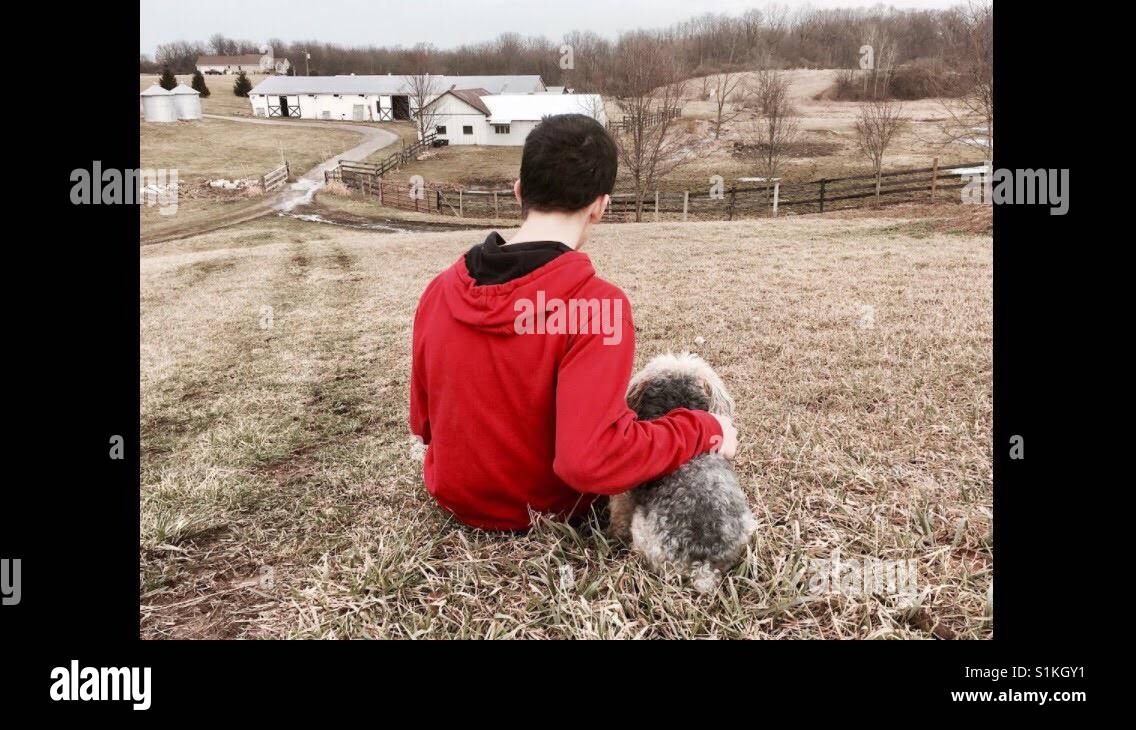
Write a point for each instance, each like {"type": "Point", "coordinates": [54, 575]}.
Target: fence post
{"type": "Point", "coordinates": [656, 206]}
{"type": "Point", "coordinates": [287, 169]}
{"type": "Point", "coordinates": [823, 182]}
{"type": "Point", "coordinates": [496, 212]}
{"type": "Point", "coordinates": [776, 194]}
{"type": "Point", "coordinates": [380, 192]}
{"type": "Point", "coordinates": [461, 213]}
{"type": "Point", "coordinates": [263, 185]}
{"type": "Point", "coordinates": [325, 178]}
{"type": "Point", "coordinates": [934, 178]}
{"type": "Point", "coordinates": [685, 204]}
{"type": "Point", "coordinates": [733, 198]}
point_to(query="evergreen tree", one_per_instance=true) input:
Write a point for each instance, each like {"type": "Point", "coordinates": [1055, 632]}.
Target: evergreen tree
{"type": "Point", "coordinates": [168, 81]}
{"type": "Point", "coordinates": [242, 86]}
{"type": "Point", "coordinates": [198, 84]}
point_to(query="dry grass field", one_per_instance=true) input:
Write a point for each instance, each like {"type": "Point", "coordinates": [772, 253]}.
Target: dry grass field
{"type": "Point", "coordinates": [281, 494]}
{"type": "Point", "coordinates": [213, 148]}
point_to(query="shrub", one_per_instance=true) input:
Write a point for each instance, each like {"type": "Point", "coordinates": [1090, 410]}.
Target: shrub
{"type": "Point", "coordinates": [242, 86]}
{"type": "Point", "coordinates": [198, 84]}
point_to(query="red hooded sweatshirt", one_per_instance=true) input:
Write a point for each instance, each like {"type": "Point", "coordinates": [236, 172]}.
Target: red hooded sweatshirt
{"type": "Point", "coordinates": [520, 410]}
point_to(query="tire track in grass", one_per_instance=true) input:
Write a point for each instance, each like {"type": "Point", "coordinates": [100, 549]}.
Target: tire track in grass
{"type": "Point", "coordinates": [313, 362]}
{"type": "Point", "coordinates": [238, 382]}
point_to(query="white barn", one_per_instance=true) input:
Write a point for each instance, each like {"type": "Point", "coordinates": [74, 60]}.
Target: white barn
{"type": "Point", "coordinates": [474, 116]}
{"type": "Point", "coordinates": [366, 98]}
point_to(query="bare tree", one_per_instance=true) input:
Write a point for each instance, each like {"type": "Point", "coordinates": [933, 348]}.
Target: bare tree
{"type": "Point", "coordinates": [775, 128]}
{"type": "Point", "coordinates": [884, 52]}
{"type": "Point", "coordinates": [423, 89]}
{"type": "Point", "coordinates": [973, 110]}
{"type": "Point", "coordinates": [647, 84]}
{"type": "Point", "coordinates": [724, 88]}
{"type": "Point", "coordinates": [877, 124]}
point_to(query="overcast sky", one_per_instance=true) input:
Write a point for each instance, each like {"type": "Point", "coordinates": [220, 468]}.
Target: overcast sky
{"type": "Point", "coordinates": [445, 23]}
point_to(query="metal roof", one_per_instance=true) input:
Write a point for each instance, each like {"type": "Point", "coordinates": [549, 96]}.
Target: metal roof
{"type": "Point", "coordinates": [386, 85]}
{"type": "Point", "coordinates": [506, 108]}
{"type": "Point", "coordinates": [156, 90]}
{"type": "Point", "coordinates": [182, 89]}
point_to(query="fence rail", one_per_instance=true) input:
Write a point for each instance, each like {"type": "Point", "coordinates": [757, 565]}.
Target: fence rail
{"type": "Point", "coordinates": [650, 119]}
{"type": "Point", "coordinates": [816, 196]}
{"type": "Point", "coordinates": [274, 179]}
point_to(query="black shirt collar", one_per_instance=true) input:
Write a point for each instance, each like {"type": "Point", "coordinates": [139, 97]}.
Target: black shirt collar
{"type": "Point", "coordinates": [492, 262]}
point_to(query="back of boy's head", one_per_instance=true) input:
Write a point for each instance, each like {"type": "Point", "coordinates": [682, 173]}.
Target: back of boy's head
{"type": "Point", "coordinates": [569, 160]}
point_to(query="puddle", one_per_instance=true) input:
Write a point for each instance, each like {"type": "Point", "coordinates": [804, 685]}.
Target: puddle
{"type": "Point", "coordinates": [317, 218]}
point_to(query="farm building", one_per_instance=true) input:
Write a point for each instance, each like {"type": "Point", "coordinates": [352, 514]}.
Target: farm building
{"type": "Point", "coordinates": [366, 98]}
{"type": "Point", "coordinates": [158, 105]}
{"type": "Point", "coordinates": [187, 102]}
{"type": "Point", "coordinates": [474, 116]}
{"type": "Point", "coordinates": [253, 63]}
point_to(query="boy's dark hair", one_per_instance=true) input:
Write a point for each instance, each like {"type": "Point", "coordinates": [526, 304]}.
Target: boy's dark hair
{"type": "Point", "coordinates": [569, 160]}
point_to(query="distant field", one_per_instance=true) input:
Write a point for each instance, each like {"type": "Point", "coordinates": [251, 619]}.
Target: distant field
{"type": "Point", "coordinates": [214, 148]}
{"type": "Point", "coordinates": [826, 146]}
{"type": "Point", "coordinates": [282, 495]}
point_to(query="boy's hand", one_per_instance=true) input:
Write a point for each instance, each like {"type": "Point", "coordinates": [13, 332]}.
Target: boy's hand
{"type": "Point", "coordinates": [729, 445]}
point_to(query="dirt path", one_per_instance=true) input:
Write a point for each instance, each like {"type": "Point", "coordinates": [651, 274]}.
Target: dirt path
{"type": "Point", "coordinates": [299, 192]}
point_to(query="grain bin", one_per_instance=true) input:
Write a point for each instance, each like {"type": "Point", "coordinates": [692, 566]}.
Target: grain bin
{"type": "Point", "coordinates": [187, 102]}
{"type": "Point", "coordinates": [158, 105]}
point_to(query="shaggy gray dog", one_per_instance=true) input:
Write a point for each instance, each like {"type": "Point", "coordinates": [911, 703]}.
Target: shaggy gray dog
{"type": "Point", "coordinates": [695, 519]}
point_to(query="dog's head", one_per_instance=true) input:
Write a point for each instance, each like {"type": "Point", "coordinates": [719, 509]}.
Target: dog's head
{"type": "Point", "coordinates": [678, 381]}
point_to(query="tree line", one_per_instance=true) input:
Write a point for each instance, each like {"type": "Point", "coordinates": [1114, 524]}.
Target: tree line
{"type": "Point", "coordinates": [773, 36]}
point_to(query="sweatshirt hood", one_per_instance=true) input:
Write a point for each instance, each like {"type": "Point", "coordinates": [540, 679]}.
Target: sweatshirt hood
{"type": "Point", "coordinates": [493, 306]}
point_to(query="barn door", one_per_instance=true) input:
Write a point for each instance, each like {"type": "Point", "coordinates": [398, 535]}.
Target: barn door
{"type": "Point", "coordinates": [401, 107]}
{"type": "Point", "coordinates": [283, 106]}
{"type": "Point", "coordinates": [357, 112]}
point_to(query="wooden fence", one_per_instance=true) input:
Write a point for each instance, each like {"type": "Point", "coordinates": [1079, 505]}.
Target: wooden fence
{"type": "Point", "coordinates": [277, 178]}
{"type": "Point", "coordinates": [817, 196]}
{"type": "Point", "coordinates": [652, 119]}
{"type": "Point", "coordinates": [400, 158]}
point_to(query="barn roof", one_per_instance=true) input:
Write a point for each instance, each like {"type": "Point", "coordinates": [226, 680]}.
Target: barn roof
{"type": "Point", "coordinates": [506, 108]}
{"type": "Point", "coordinates": [473, 98]}
{"type": "Point", "coordinates": [244, 59]}
{"type": "Point", "coordinates": [392, 84]}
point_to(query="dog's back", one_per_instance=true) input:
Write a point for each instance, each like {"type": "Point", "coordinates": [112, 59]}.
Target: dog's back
{"type": "Point", "coordinates": [695, 518]}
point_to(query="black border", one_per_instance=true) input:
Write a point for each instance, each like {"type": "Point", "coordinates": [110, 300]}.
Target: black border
{"type": "Point", "coordinates": [72, 515]}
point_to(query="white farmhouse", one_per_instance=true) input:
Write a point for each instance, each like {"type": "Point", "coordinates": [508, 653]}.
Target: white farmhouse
{"type": "Point", "coordinates": [366, 98]}
{"type": "Point", "coordinates": [252, 63]}
{"type": "Point", "coordinates": [474, 116]}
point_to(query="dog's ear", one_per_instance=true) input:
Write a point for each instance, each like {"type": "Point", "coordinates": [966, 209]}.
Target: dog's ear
{"type": "Point", "coordinates": [635, 393]}
{"type": "Point", "coordinates": [720, 400]}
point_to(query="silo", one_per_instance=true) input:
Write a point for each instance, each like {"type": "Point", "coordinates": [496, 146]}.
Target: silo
{"type": "Point", "coordinates": [187, 102]}
{"type": "Point", "coordinates": [158, 105]}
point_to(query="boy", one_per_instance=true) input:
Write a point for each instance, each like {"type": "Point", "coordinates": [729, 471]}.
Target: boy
{"type": "Point", "coordinates": [522, 356]}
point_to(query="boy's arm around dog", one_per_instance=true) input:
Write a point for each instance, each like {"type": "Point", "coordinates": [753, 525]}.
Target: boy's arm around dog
{"type": "Point", "coordinates": [601, 446]}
